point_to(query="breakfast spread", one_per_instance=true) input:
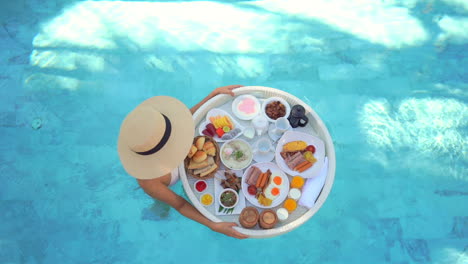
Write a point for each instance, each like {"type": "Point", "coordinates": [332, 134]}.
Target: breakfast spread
{"type": "Point", "coordinates": [298, 156]}
{"type": "Point", "coordinates": [201, 161]}
{"type": "Point", "coordinates": [264, 184]}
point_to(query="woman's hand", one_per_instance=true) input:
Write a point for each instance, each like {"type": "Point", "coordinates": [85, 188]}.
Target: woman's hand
{"type": "Point", "coordinates": [226, 89]}
{"type": "Point", "coordinates": [228, 230]}
{"type": "Point", "coordinates": [220, 90]}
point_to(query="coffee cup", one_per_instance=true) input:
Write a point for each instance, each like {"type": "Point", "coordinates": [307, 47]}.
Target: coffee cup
{"type": "Point", "coordinates": [263, 146]}
{"type": "Point", "coordinates": [281, 125]}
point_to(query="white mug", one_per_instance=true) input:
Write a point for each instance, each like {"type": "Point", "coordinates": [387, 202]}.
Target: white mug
{"type": "Point", "coordinates": [281, 125]}
{"type": "Point", "coordinates": [260, 123]}
{"type": "Point", "coordinates": [263, 146]}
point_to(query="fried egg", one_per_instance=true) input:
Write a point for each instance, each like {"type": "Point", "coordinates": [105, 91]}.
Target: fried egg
{"type": "Point", "coordinates": [273, 189]}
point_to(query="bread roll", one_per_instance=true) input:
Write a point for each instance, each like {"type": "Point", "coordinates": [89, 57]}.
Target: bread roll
{"type": "Point", "coordinates": [192, 151]}
{"type": "Point", "coordinates": [208, 144]}
{"type": "Point", "coordinates": [200, 142]}
{"type": "Point", "coordinates": [199, 156]}
{"type": "Point", "coordinates": [209, 148]}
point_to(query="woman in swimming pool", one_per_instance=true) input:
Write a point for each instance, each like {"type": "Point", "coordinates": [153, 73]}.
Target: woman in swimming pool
{"type": "Point", "coordinates": [154, 139]}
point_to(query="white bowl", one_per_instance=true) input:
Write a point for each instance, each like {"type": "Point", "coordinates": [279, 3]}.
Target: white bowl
{"type": "Point", "coordinates": [235, 194]}
{"type": "Point", "coordinates": [272, 99]}
{"type": "Point", "coordinates": [242, 115]}
{"type": "Point", "coordinates": [212, 199]}
{"type": "Point", "coordinates": [195, 186]}
{"type": "Point", "coordinates": [247, 162]}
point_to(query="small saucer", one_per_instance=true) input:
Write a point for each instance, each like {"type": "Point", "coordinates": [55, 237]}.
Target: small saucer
{"type": "Point", "coordinates": [263, 157]}
{"type": "Point", "coordinates": [273, 135]}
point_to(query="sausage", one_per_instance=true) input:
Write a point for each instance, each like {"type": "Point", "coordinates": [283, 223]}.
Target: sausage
{"type": "Point", "coordinates": [305, 167]}
{"type": "Point", "coordinates": [265, 179]}
{"type": "Point", "coordinates": [259, 180]}
{"type": "Point", "coordinates": [300, 165]}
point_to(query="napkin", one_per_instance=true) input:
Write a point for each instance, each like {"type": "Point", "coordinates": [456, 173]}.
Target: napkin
{"type": "Point", "coordinates": [313, 187]}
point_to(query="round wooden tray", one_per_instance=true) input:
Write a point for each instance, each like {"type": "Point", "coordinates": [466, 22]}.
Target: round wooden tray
{"type": "Point", "coordinates": [216, 159]}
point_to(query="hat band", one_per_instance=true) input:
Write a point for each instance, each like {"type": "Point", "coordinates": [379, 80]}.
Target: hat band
{"type": "Point", "coordinates": [163, 141]}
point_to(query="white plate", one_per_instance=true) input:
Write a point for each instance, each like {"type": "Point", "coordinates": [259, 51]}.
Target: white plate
{"type": "Point", "coordinates": [319, 154]}
{"type": "Point", "coordinates": [216, 112]}
{"type": "Point", "coordinates": [243, 116]}
{"type": "Point", "coordinates": [264, 166]}
{"type": "Point", "coordinates": [222, 150]}
{"type": "Point", "coordinates": [218, 188]}
{"type": "Point", "coordinates": [272, 99]}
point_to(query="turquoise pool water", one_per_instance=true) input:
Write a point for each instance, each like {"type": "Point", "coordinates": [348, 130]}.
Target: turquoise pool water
{"type": "Point", "coordinates": [389, 79]}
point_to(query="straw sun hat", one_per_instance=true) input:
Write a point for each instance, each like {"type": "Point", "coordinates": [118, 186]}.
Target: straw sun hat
{"type": "Point", "coordinates": [155, 137]}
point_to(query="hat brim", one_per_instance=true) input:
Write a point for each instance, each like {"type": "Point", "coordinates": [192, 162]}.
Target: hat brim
{"type": "Point", "coordinates": [173, 153]}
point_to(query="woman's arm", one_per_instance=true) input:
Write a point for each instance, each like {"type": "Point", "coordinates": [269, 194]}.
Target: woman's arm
{"type": "Point", "coordinates": [158, 190]}
{"type": "Point", "coordinates": [220, 90]}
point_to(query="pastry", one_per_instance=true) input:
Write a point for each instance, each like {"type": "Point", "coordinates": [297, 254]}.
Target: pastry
{"type": "Point", "coordinates": [197, 165]}
{"type": "Point", "coordinates": [200, 142]}
{"type": "Point", "coordinates": [192, 151]}
{"type": "Point", "coordinates": [209, 170]}
{"type": "Point", "coordinates": [199, 156]}
{"type": "Point", "coordinates": [209, 148]}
